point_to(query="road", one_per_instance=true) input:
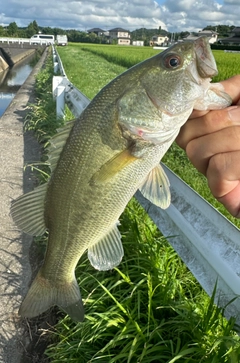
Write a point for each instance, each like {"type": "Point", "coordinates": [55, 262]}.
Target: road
{"type": "Point", "coordinates": [16, 149]}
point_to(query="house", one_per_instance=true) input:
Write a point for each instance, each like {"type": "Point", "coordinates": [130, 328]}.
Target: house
{"type": "Point", "coordinates": [138, 43]}
{"type": "Point", "coordinates": [120, 36]}
{"type": "Point", "coordinates": [212, 36]}
{"type": "Point", "coordinates": [99, 32]}
{"type": "Point", "coordinates": [159, 40]}
{"type": "Point", "coordinates": [233, 39]}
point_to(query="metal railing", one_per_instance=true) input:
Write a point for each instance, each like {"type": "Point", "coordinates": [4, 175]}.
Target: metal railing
{"type": "Point", "coordinates": [23, 41]}
{"type": "Point", "coordinates": [205, 240]}
{"type": "Point", "coordinates": [9, 40]}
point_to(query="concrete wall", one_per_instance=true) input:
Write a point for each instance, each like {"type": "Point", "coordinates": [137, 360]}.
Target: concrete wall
{"type": "Point", "coordinates": [11, 54]}
{"type": "Point", "coordinates": [3, 64]}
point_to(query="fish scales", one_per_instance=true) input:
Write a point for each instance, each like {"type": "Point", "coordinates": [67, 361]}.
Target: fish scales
{"type": "Point", "coordinates": [110, 151]}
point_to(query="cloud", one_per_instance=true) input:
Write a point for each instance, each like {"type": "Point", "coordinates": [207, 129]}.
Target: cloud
{"type": "Point", "coordinates": [172, 15]}
{"type": "Point", "coordinates": [231, 2]}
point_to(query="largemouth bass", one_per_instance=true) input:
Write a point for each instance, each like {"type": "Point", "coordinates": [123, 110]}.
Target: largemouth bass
{"type": "Point", "coordinates": [99, 161]}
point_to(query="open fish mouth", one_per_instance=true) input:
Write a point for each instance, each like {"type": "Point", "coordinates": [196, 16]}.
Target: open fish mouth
{"type": "Point", "coordinates": [206, 64]}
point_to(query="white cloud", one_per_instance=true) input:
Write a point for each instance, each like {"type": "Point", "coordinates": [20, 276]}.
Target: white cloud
{"type": "Point", "coordinates": [173, 15]}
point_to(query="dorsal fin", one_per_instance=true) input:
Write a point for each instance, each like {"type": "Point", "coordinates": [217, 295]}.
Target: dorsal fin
{"type": "Point", "coordinates": [28, 211]}
{"type": "Point", "coordinates": [57, 143]}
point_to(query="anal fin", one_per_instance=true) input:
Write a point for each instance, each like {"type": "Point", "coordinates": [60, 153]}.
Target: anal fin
{"type": "Point", "coordinates": [108, 252]}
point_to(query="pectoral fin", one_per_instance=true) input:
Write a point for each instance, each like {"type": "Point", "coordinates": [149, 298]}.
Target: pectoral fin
{"type": "Point", "coordinates": [156, 188]}
{"type": "Point", "coordinates": [108, 252]}
{"type": "Point", "coordinates": [113, 166]}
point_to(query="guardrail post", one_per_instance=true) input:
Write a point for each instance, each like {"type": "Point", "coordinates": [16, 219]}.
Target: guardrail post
{"type": "Point", "coordinates": [60, 101]}
{"type": "Point", "coordinates": [55, 61]}
{"type": "Point", "coordinates": [58, 91]}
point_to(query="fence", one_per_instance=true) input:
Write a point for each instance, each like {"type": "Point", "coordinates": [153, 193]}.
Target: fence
{"type": "Point", "coordinates": [22, 41]}
{"type": "Point", "coordinates": [206, 241]}
{"type": "Point", "coordinates": [14, 40]}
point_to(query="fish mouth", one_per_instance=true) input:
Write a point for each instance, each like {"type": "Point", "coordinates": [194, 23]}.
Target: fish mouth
{"type": "Point", "coordinates": [206, 64]}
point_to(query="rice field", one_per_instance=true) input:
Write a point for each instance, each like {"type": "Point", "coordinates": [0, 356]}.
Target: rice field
{"type": "Point", "coordinates": [150, 308]}
{"type": "Point", "coordinates": [127, 56]}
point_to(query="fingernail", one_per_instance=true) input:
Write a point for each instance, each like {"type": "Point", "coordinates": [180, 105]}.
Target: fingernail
{"type": "Point", "coordinates": [234, 113]}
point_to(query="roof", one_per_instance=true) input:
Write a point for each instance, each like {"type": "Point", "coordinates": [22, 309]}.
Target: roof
{"type": "Point", "coordinates": [118, 30]}
{"type": "Point", "coordinates": [94, 30]}
{"type": "Point", "coordinates": [236, 30]}
{"type": "Point", "coordinates": [235, 39]}
{"type": "Point", "coordinates": [210, 32]}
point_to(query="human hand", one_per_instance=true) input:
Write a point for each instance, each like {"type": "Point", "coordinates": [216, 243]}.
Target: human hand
{"type": "Point", "coordinates": [212, 142]}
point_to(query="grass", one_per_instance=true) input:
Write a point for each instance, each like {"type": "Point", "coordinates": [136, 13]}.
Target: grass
{"type": "Point", "coordinates": [150, 308]}
{"type": "Point", "coordinates": [227, 63]}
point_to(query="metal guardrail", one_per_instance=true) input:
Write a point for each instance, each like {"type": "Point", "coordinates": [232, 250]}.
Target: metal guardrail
{"type": "Point", "coordinates": [14, 40]}
{"type": "Point", "coordinates": [22, 41]}
{"type": "Point", "coordinates": [7, 96]}
{"type": "Point", "coordinates": [205, 240]}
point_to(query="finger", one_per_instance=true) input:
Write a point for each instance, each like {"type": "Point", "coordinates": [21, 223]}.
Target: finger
{"type": "Point", "coordinates": [232, 87]}
{"type": "Point", "coordinates": [231, 201]}
{"type": "Point", "coordinates": [200, 150]}
{"type": "Point", "coordinates": [210, 122]}
{"type": "Point", "coordinates": [224, 180]}
{"type": "Point", "coordinates": [197, 113]}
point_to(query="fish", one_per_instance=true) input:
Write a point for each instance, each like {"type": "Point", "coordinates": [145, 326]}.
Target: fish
{"type": "Point", "coordinates": [100, 159]}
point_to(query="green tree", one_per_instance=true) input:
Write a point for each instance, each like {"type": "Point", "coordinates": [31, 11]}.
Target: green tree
{"type": "Point", "coordinates": [2, 31]}
{"type": "Point", "coordinates": [182, 35]}
{"type": "Point", "coordinates": [222, 30]}
{"type": "Point", "coordinates": [58, 31]}
{"type": "Point", "coordinates": [12, 29]}
{"type": "Point", "coordinates": [47, 30]}
{"type": "Point", "coordinates": [32, 29]}
{"type": "Point", "coordinates": [93, 38]}
{"type": "Point", "coordinates": [35, 26]}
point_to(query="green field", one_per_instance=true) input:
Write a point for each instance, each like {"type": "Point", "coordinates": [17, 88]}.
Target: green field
{"type": "Point", "coordinates": [150, 308]}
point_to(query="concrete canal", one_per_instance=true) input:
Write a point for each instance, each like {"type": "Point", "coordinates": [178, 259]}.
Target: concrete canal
{"type": "Point", "coordinates": [12, 79]}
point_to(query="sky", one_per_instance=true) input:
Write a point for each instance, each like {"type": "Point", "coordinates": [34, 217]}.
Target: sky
{"type": "Point", "coordinates": [171, 15]}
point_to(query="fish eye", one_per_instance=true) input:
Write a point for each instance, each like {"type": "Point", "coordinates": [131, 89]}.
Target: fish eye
{"type": "Point", "coordinates": [172, 61]}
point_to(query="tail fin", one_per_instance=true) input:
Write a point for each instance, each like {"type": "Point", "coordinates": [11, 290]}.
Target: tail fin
{"type": "Point", "coordinates": [42, 295]}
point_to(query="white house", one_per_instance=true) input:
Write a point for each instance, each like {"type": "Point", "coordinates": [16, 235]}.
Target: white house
{"type": "Point", "coordinates": [159, 40]}
{"type": "Point", "coordinates": [212, 36]}
{"type": "Point", "coordinates": [120, 35]}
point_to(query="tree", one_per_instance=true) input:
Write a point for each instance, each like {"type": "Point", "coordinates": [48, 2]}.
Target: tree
{"type": "Point", "coordinates": [35, 26]}
{"type": "Point", "coordinates": [12, 29]}
{"type": "Point", "coordinates": [32, 29]}
{"type": "Point", "coordinates": [183, 34]}
{"type": "Point", "coordinates": [2, 31]}
{"type": "Point", "coordinates": [222, 30]}
{"type": "Point", "coordinates": [47, 30]}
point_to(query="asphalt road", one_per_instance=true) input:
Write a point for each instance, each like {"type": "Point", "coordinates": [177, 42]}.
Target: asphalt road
{"type": "Point", "coordinates": [16, 149]}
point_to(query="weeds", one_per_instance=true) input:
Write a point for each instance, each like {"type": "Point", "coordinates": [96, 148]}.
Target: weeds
{"type": "Point", "coordinates": [139, 312]}
{"type": "Point", "coordinates": [41, 118]}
